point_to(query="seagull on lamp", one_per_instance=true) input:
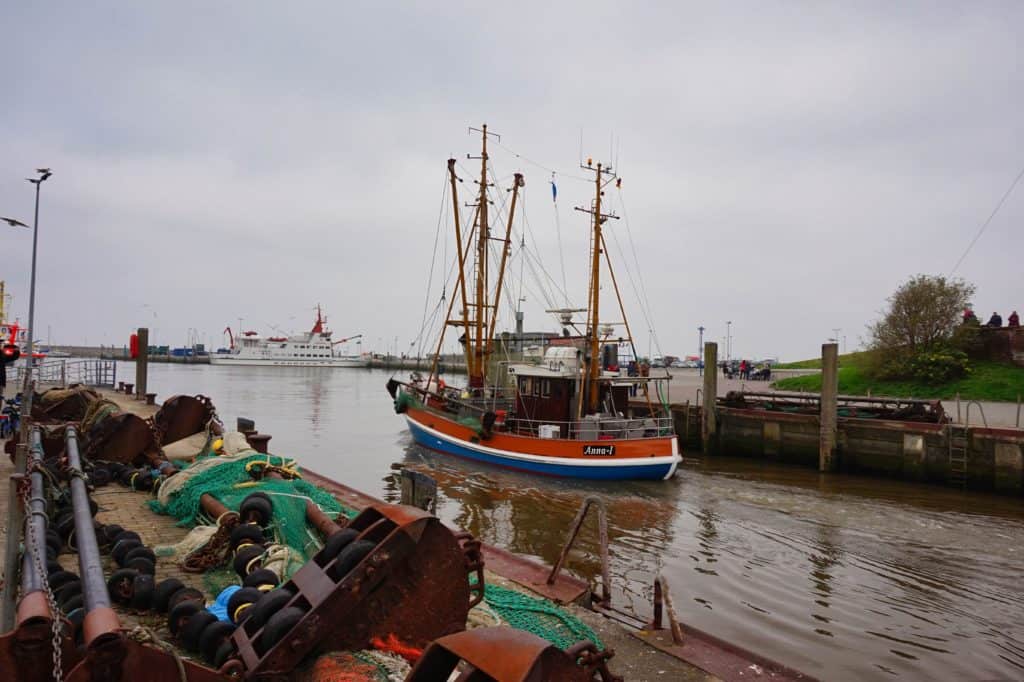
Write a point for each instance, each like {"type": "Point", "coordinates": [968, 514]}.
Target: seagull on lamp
{"type": "Point", "coordinates": [13, 222]}
{"type": "Point", "coordinates": [44, 173]}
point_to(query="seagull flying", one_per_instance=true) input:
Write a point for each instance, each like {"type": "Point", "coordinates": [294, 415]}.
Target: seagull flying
{"type": "Point", "coordinates": [12, 222]}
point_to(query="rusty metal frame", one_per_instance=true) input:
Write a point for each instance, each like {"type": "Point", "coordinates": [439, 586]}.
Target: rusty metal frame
{"type": "Point", "coordinates": [510, 655]}
{"type": "Point", "coordinates": [413, 584]}
{"type": "Point", "coordinates": [663, 595]}
{"type": "Point", "coordinates": [574, 530]}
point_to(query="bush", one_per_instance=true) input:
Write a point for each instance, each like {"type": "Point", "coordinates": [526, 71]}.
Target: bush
{"type": "Point", "coordinates": [934, 365]}
{"type": "Point", "coordinates": [967, 338]}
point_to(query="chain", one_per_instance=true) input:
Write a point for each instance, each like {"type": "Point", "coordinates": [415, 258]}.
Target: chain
{"type": "Point", "coordinates": [144, 635]}
{"type": "Point", "coordinates": [32, 547]}
{"type": "Point", "coordinates": [215, 551]}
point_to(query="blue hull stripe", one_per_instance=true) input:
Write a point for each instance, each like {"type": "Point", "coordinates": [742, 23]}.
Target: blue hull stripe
{"type": "Point", "coordinates": [632, 471]}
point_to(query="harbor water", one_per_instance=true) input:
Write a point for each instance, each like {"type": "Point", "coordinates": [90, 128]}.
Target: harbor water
{"type": "Point", "coordinates": [840, 577]}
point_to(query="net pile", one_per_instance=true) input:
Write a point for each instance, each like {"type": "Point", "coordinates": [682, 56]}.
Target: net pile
{"type": "Point", "coordinates": [228, 480]}
{"type": "Point", "coordinates": [538, 616]}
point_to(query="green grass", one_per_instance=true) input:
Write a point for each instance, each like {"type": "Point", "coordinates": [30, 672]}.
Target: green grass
{"type": "Point", "coordinates": [987, 381]}
{"type": "Point", "coordinates": [857, 358]}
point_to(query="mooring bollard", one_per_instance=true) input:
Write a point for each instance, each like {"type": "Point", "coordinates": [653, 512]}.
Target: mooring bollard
{"type": "Point", "coordinates": [129, 389]}
{"type": "Point", "coordinates": [709, 421]}
{"type": "Point", "coordinates": [419, 490]}
{"type": "Point", "coordinates": [151, 398]}
{"type": "Point", "coordinates": [259, 441]}
{"type": "Point", "coordinates": [828, 402]}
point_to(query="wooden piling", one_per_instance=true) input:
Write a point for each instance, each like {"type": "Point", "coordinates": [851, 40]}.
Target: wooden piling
{"type": "Point", "coordinates": [142, 363]}
{"type": "Point", "coordinates": [829, 406]}
{"type": "Point", "coordinates": [709, 421]}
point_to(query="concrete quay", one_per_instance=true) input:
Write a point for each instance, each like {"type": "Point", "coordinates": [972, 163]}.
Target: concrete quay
{"type": "Point", "coordinates": [985, 454]}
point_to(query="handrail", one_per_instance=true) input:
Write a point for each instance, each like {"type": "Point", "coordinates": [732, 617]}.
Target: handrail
{"type": "Point", "coordinates": [89, 371]}
{"type": "Point", "coordinates": [980, 409]}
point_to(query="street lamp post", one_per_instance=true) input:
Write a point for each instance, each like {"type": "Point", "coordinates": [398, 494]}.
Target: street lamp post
{"type": "Point", "coordinates": [44, 173]}
{"type": "Point", "coordinates": [700, 350]}
{"type": "Point", "coordinates": [728, 340]}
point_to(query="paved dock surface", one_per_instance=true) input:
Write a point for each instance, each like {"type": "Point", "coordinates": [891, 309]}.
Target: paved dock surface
{"type": "Point", "coordinates": [686, 383]}
{"type": "Point", "coordinates": [634, 660]}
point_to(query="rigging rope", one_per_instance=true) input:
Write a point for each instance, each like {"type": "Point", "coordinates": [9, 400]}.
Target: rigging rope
{"type": "Point", "coordinates": [558, 234]}
{"type": "Point", "coordinates": [641, 291]}
{"type": "Point", "coordinates": [433, 258]}
{"type": "Point", "coordinates": [988, 220]}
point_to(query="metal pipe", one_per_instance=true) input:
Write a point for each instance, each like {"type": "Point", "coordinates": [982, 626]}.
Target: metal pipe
{"type": "Point", "coordinates": [842, 398]}
{"type": "Point", "coordinates": [314, 514]}
{"type": "Point", "coordinates": [212, 506]}
{"type": "Point", "coordinates": [35, 521]}
{"type": "Point", "coordinates": [90, 568]}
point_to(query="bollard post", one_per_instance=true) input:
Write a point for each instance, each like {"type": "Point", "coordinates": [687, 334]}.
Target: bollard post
{"type": "Point", "coordinates": [829, 405]}
{"type": "Point", "coordinates": [260, 442]}
{"type": "Point", "coordinates": [419, 490]}
{"type": "Point", "coordinates": [709, 421]}
{"type": "Point", "coordinates": [142, 363]}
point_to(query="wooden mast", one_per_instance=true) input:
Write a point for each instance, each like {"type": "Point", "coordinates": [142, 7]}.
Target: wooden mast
{"type": "Point", "coordinates": [462, 273]}
{"type": "Point", "coordinates": [506, 248]}
{"type": "Point", "coordinates": [593, 395]}
{"type": "Point", "coordinates": [595, 279]}
{"type": "Point", "coordinates": [476, 377]}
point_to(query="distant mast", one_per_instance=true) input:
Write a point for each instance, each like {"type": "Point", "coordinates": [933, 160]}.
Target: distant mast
{"type": "Point", "coordinates": [318, 327]}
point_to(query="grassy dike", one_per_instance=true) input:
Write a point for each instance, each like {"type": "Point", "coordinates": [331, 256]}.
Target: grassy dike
{"type": "Point", "coordinates": [987, 381]}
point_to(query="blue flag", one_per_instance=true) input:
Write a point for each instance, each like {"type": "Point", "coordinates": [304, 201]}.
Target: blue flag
{"type": "Point", "coordinates": [554, 190]}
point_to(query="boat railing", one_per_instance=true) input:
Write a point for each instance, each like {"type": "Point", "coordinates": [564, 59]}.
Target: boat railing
{"type": "Point", "coordinates": [90, 372]}
{"type": "Point", "coordinates": [610, 428]}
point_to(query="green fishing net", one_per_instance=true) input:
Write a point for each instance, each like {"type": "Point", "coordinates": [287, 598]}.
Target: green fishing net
{"type": "Point", "coordinates": [230, 483]}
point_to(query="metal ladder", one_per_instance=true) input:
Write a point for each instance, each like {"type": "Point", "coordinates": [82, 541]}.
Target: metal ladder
{"type": "Point", "coordinates": [958, 440]}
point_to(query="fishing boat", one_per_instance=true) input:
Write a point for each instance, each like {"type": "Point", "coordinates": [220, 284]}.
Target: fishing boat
{"type": "Point", "coordinates": [566, 413]}
{"type": "Point", "coordinates": [314, 348]}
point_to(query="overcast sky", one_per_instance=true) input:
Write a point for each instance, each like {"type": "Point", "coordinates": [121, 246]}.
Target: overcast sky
{"type": "Point", "coordinates": [785, 166]}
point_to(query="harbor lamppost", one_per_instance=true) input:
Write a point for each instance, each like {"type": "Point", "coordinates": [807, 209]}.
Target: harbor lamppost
{"type": "Point", "coordinates": [44, 174]}
{"type": "Point", "coordinates": [728, 340]}
{"type": "Point", "coordinates": [700, 351]}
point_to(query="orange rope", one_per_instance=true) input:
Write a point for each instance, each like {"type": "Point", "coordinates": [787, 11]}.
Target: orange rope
{"type": "Point", "coordinates": [394, 645]}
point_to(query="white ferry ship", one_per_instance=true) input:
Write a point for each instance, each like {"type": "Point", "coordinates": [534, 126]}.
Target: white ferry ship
{"type": "Point", "coordinates": [312, 349]}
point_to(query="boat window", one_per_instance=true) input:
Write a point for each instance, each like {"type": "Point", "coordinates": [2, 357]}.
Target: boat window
{"type": "Point", "coordinates": [545, 387]}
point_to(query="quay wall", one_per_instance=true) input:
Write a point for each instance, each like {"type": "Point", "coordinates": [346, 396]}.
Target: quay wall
{"type": "Point", "coordinates": [887, 449]}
